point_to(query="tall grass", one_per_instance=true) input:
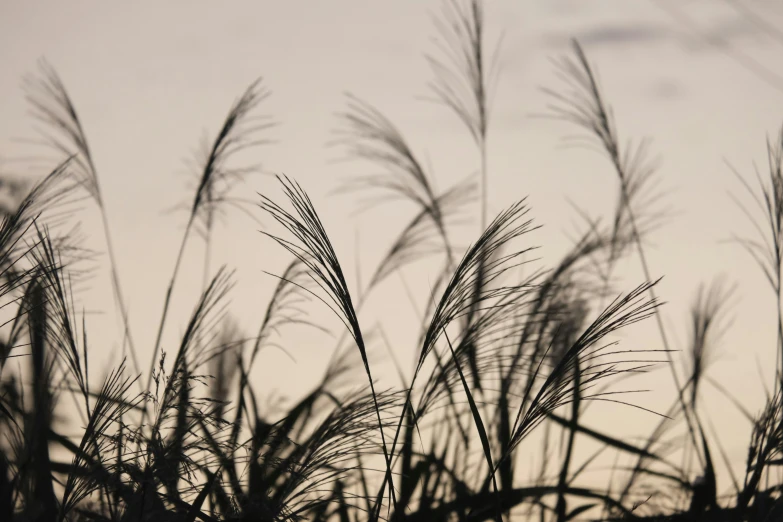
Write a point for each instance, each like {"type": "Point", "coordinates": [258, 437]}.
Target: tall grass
{"type": "Point", "coordinates": [505, 359]}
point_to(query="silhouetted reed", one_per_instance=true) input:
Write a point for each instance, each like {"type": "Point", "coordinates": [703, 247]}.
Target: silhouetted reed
{"type": "Point", "coordinates": [502, 354]}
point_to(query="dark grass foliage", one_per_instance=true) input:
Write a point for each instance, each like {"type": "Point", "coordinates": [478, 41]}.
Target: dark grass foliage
{"type": "Point", "coordinates": [509, 358]}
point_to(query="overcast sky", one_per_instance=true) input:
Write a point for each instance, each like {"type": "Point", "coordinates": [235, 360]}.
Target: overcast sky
{"type": "Point", "coordinates": [151, 80]}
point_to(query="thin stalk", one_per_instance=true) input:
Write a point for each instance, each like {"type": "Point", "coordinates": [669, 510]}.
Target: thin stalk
{"type": "Point", "coordinates": [563, 478]}
{"type": "Point", "coordinates": [54, 107]}
{"type": "Point", "coordinates": [115, 278]}
{"type": "Point", "coordinates": [207, 248]}
{"type": "Point", "coordinates": [609, 140]}
{"type": "Point", "coordinates": [164, 314]}
{"type": "Point", "coordinates": [232, 137]}
{"type": "Point", "coordinates": [659, 323]}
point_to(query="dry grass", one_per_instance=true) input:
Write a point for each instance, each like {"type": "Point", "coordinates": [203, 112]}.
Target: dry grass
{"type": "Point", "coordinates": [500, 357]}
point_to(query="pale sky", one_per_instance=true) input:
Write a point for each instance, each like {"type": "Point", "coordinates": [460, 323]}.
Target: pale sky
{"type": "Point", "coordinates": [150, 80]}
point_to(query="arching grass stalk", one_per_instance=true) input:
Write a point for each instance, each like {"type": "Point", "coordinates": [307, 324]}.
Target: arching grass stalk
{"type": "Point", "coordinates": [316, 252]}
{"type": "Point", "coordinates": [585, 107]}
{"type": "Point", "coordinates": [235, 135]}
{"type": "Point", "coordinates": [53, 106]}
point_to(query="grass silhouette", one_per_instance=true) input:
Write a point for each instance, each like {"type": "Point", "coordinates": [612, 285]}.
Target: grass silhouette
{"type": "Point", "coordinates": [499, 357]}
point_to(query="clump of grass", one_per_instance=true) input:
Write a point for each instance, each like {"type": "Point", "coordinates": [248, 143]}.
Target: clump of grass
{"type": "Point", "coordinates": [499, 355]}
